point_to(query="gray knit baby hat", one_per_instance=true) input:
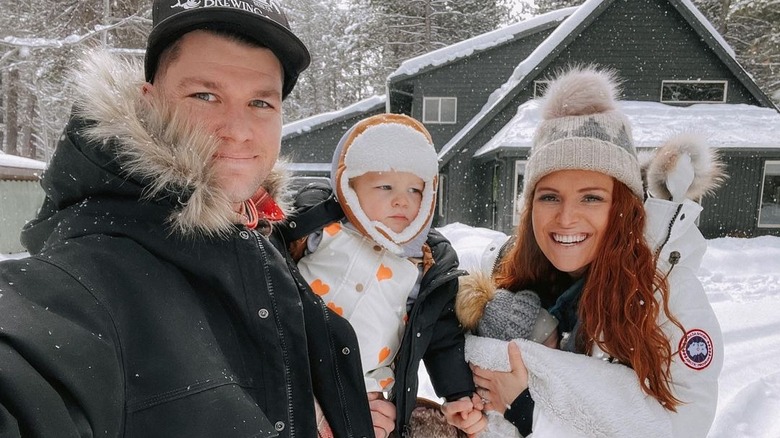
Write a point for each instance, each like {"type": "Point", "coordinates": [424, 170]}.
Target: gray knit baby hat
{"type": "Point", "coordinates": [516, 315]}
{"type": "Point", "coordinates": [583, 129]}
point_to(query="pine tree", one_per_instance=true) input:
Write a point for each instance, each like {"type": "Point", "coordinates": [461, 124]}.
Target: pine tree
{"type": "Point", "coordinates": [544, 6]}
{"type": "Point", "coordinates": [39, 43]}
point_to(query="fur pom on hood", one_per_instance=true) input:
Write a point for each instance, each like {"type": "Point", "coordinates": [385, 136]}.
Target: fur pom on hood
{"type": "Point", "coordinates": [684, 167]}
{"type": "Point", "coordinates": [475, 290]}
{"type": "Point", "coordinates": [157, 147]}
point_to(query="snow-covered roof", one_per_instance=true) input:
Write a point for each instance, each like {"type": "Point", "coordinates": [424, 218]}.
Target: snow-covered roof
{"type": "Point", "coordinates": [530, 65]}
{"type": "Point", "coordinates": [710, 28]}
{"type": "Point", "coordinates": [307, 124]}
{"type": "Point", "coordinates": [478, 43]}
{"type": "Point", "coordinates": [13, 161]}
{"type": "Point", "coordinates": [309, 167]}
{"type": "Point", "coordinates": [721, 125]}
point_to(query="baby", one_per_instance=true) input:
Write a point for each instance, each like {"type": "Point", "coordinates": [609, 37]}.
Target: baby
{"type": "Point", "coordinates": [382, 267]}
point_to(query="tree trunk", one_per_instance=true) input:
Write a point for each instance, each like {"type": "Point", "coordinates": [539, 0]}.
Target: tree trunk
{"type": "Point", "coordinates": [26, 146]}
{"type": "Point", "coordinates": [11, 112]}
{"type": "Point", "coordinates": [723, 16]}
{"type": "Point", "coordinates": [2, 112]}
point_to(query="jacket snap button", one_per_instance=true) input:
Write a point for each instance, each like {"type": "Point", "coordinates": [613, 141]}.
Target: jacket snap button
{"type": "Point", "coordinates": [359, 287]}
{"type": "Point", "coordinates": [244, 235]}
{"type": "Point", "coordinates": [377, 248]}
{"type": "Point", "coordinates": [292, 224]}
{"type": "Point", "coordinates": [345, 350]}
{"type": "Point", "coordinates": [279, 426]}
{"type": "Point", "coordinates": [262, 313]}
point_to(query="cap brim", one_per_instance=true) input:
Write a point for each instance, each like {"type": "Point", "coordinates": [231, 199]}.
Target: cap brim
{"type": "Point", "coordinates": [292, 53]}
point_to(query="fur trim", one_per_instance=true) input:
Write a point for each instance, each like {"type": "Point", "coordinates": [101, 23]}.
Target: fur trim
{"type": "Point", "coordinates": [149, 144]}
{"type": "Point", "coordinates": [581, 91]}
{"type": "Point", "coordinates": [429, 422]}
{"type": "Point", "coordinates": [708, 171]}
{"type": "Point", "coordinates": [474, 292]}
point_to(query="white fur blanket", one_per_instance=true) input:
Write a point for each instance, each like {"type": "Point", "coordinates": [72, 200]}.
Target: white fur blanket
{"type": "Point", "coordinates": [575, 395]}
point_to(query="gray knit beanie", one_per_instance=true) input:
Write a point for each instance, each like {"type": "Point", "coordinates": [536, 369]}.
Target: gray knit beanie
{"type": "Point", "coordinates": [583, 129]}
{"type": "Point", "coordinates": [516, 315]}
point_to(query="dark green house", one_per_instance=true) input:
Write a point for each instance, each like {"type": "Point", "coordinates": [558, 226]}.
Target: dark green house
{"type": "Point", "coordinates": [477, 100]}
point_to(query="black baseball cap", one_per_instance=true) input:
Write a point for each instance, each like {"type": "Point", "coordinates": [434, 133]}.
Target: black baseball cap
{"type": "Point", "coordinates": [263, 21]}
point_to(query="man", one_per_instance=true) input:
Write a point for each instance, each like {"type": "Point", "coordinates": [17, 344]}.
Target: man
{"type": "Point", "coordinates": [153, 304]}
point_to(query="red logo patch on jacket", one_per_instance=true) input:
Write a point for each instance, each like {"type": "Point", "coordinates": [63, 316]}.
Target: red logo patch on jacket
{"type": "Point", "coordinates": [696, 349]}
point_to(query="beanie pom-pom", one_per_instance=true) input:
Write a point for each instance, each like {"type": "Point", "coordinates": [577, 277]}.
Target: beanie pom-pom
{"type": "Point", "coordinates": [581, 91]}
{"type": "Point", "coordinates": [474, 292]}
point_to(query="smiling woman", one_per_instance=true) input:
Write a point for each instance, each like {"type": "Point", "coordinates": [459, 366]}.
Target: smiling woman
{"type": "Point", "coordinates": [571, 210]}
{"type": "Point", "coordinates": [581, 246]}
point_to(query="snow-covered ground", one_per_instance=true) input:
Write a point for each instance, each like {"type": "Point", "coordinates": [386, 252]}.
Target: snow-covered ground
{"type": "Point", "coordinates": [742, 280]}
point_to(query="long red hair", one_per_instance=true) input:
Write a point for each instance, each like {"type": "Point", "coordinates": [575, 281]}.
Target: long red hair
{"type": "Point", "coordinates": [617, 310]}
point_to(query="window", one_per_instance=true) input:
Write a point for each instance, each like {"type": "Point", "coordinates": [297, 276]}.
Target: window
{"type": "Point", "coordinates": [693, 91]}
{"type": "Point", "coordinates": [540, 87]}
{"type": "Point", "coordinates": [517, 203]}
{"type": "Point", "coordinates": [440, 199]}
{"type": "Point", "coordinates": [769, 210]}
{"type": "Point", "coordinates": [440, 109]}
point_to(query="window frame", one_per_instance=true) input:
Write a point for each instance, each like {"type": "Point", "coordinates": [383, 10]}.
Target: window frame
{"type": "Point", "coordinates": [767, 163]}
{"type": "Point", "coordinates": [537, 95]}
{"type": "Point", "coordinates": [725, 83]}
{"type": "Point", "coordinates": [520, 166]}
{"type": "Point", "coordinates": [439, 100]}
{"type": "Point", "coordinates": [440, 196]}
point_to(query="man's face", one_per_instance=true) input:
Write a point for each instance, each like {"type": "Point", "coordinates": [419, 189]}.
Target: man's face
{"type": "Point", "coordinates": [235, 92]}
{"type": "Point", "coordinates": [392, 198]}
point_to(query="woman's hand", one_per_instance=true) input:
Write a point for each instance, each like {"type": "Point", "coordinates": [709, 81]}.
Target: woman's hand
{"type": "Point", "coordinates": [382, 414]}
{"type": "Point", "coordinates": [499, 389]}
{"type": "Point", "coordinates": [466, 414]}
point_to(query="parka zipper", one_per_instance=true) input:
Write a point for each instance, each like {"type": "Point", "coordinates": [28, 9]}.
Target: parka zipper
{"type": "Point", "coordinates": [334, 361]}
{"type": "Point", "coordinates": [271, 294]}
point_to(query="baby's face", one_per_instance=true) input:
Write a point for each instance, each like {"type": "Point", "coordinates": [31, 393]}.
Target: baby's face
{"type": "Point", "coordinates": [392, 198]}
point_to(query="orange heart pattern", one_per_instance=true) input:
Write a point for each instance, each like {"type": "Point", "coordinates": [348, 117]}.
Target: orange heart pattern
{"type": "Point", "coordinates": [384, 273]}
{"type": "Point", "coordinates": [333, 228]}
{"type": "Point", "coordinates": [384, 383]}
{"type": "Point", "coordinates": [335, 308]}
{"type": "Point", "coordinates": [319, 287]}
{"type": "Point", "coordinates": [383, 353]}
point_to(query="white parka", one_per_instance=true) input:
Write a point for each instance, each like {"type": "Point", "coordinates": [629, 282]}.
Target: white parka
{"type": "Point", "coordinates": [582, 396]}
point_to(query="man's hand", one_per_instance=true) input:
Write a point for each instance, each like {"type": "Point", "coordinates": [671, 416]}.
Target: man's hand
{"type": "Point", "coordinates": [382, 414]}
{"type": "Point", "coordinates": [499, 389]}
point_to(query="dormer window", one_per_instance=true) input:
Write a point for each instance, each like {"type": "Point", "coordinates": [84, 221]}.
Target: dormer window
{"type": "Point", "coordinates": [540, 87]}
{"type": "Point", "coordinates": [694, 91]}
{"type": "Point", "coordinates": [440, 109]}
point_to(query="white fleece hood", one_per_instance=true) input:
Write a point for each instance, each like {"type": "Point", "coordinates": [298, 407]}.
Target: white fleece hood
{"type": "Point", "coordinates": [383, 143]}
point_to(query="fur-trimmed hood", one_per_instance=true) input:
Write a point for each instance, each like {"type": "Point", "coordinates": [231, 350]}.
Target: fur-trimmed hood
{"type": "Point", "coordinates": [152, 151]}
{"type": "Point", "coordinates": [382, 143]}
{"type": "Point", "coordinates": [683, 167]}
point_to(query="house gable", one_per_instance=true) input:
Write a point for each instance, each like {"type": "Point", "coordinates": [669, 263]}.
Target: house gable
{"type": "Point", "coordinates": [645, 41]}
{"type": "Point", "coordinates": [468, 71]}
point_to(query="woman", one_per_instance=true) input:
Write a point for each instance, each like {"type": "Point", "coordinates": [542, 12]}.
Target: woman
{"type": "Point", "coordinates": [634, 303]}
